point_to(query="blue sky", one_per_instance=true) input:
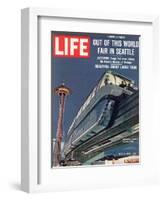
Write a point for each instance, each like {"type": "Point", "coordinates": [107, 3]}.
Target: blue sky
{"type": "Point", "coordinates": [81, 76]}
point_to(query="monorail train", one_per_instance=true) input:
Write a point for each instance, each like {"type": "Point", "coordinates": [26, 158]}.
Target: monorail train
{"type": "Point", "coordinates": [95, 115]}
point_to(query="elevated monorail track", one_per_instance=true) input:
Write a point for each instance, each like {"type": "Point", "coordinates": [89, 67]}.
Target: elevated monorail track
{"type": "Point", "coordinates": [107, 120]}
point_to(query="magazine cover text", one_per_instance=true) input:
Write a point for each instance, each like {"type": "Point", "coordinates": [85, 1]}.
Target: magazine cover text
{"type": "Point", "coordinates": [94, 99]}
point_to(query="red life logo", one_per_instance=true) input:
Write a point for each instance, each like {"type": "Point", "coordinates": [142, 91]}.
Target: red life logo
{"type": "Point", "coordinates": [71, 46]}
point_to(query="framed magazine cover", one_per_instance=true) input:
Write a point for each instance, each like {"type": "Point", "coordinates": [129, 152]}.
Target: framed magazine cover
{"type": "Point", "coordinates": [88, 114]}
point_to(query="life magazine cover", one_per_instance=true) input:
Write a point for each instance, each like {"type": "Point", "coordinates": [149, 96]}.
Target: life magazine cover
{"type": "Point", "coordinates": [94, 99]}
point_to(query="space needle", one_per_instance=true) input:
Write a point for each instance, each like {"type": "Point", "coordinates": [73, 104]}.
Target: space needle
{"type": "Point", "coordinates": [62, 91]}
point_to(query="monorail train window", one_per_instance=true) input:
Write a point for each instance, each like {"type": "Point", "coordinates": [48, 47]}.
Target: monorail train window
{"type": "Point", "coordinates": [112, 79]}
{"type": "Point", "coordinates": [120, 80]}
{"type": "Point", "coordinates": [107, 79]}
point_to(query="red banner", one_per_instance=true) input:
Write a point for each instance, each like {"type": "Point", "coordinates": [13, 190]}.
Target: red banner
{"type": "Point", "coordinates": [71, 46]}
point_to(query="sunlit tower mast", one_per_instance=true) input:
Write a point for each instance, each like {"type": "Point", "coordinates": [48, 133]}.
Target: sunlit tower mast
{"type": "Point", "coordinates": [62, 91]}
